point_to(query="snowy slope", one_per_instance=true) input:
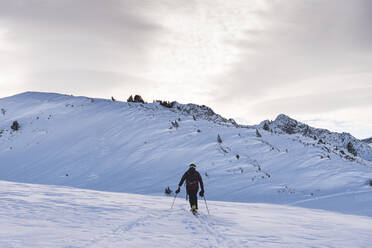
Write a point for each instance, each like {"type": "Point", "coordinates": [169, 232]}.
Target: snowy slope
{"type": "Point", "coordinates": [368, 141]}
{"type": "Point", "coordinates": [134, 148]}
{"type": "Point", "coordinates": [50, 216]}
{"type": "Point", "coordinates": [343, 144]}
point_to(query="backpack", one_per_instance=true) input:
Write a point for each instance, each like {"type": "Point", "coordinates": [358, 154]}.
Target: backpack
{"type": "Point", "coordinates": [192, 179]}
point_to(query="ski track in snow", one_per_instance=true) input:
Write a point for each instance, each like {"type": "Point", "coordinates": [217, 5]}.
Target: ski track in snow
{"type": "Point", "coordinates": [128, 147]}
{"type": "Point", "coordinates": [52, 216]}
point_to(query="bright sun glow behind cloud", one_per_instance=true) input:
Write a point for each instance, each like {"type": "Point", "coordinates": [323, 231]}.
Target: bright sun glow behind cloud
{"type": "Point", "coordinates": [198, 44]}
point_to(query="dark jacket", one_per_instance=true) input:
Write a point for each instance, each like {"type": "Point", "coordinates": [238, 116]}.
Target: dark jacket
{"type": "Point", "coordinates": [193, 179]}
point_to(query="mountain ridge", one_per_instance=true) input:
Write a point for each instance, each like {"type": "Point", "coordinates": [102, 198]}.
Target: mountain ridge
{"type": "Point", "coordinates": [342, 142]}
{"type": "Point", "coordinates": [143, 148]}
{"type": "Point", "coordinates": [368, 140]}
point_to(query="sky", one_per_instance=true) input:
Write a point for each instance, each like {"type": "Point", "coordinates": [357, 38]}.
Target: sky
{"type": "Point", "coordinates": [248, 60]}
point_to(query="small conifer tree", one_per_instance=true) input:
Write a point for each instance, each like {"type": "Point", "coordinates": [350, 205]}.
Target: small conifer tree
{"type": "Point", "coordinates": [168, 191]}
{"type": "Point", "coordinates": [15, 126]}
{"type": "Point", "coordinates": [266, 127]}
{"type": "Point", "coordinates": [351, 149]}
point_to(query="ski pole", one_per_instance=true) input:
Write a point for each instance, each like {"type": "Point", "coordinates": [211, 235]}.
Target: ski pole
{"type": "Point", "coordinates": [206, 205]}
{"type": "Point", "coordinates": [174, 199]}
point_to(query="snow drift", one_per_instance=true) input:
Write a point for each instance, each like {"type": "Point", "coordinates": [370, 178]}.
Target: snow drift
{"type": "Point", "coordinates": [50, 216]}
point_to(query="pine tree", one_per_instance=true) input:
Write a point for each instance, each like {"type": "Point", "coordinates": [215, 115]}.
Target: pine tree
{"type": "Point", "coordinates": [15, 126]}
{"type": "Point", "coordinates": [168, 191]}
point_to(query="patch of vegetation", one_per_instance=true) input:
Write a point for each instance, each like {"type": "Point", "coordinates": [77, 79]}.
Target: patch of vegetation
{"type": "Point", "coordinates": [137, 98]}
{"type": "Point", "coordinates": [168, 191]}
{"type": "Point", "coordinates": [351, 149]}
{"type": "Point", "coordinates": [175, 124]}
{"type": "Point", "coordinates": [15, 126]}
{"type": "Point", "coordinates": [166, 104]}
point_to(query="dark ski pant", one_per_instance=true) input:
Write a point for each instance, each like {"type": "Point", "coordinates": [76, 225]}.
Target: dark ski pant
{"type": "Point", "coordinates": [193, 198]}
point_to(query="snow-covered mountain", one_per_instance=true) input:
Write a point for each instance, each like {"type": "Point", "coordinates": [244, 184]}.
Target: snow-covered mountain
{"type": "Point", "coordinates": [143, 148]}
{"type": "Point", "coordinates": [343, 144]}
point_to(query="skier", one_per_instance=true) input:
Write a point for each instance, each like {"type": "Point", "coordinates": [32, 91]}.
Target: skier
{"type": "Point", "coordinates": [193, 179]}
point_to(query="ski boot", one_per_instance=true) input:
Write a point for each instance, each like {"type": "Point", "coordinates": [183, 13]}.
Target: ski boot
{"type": "Point", "coordinates": [194, 210]}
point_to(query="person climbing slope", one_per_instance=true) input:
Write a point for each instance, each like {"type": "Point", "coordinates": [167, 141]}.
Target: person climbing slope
{"type": "Point", "coordinates": [193, 179]}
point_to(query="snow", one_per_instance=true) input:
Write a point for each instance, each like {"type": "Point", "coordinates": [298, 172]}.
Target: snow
{"type": "Point", "coordinates": [85, 172]}
{"type": "Point", "coordinates": [53, 216]}
{"type": "Point", "coordinates": [132, 148]}
{"type": "Point", "coordinates": [345, 142]}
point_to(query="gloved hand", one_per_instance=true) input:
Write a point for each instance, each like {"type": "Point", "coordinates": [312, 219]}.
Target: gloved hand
{"type": "Point", "coordinates": [201, 193]}
{"type": "Point", "coordinates": [178, 190]}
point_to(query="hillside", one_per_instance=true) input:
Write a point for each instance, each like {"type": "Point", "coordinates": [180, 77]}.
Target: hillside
{"type": "Point", "coordinates": [50, 216]}
{"type": "Point", "coordinates": [368, 141]}
{"type": "Point", "coordinates": [343, 144]}
{"type": "Point", "coordinates": [143, 148]}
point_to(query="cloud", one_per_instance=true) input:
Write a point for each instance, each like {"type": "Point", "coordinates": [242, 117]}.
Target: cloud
{"type": "Point", "coordinates": [107, 83]}
{"type": "Point", "coordinates": [300, 43]}
{"type": "Point", "coordinates": [317, 103]}
{"type": "Point", "coordinates": [87, 45]}
{"type": "Point", "coordinates": [246, 59]}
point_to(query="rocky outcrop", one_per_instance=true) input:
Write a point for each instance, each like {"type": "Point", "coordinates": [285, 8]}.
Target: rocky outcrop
{"type": "Point", "coordinates": [203, 112]}
{"type": "Point", "coordinates": [283, 124]}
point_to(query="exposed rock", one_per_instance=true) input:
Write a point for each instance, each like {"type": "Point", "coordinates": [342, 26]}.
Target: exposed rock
{"type": "Point", "coordinates": [286, 125]}
{"type": "Point", "coordinates": [204, 113]}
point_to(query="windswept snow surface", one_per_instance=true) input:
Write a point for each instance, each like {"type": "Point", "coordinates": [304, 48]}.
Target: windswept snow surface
{"type": "Point", "coordinates": [134, 148]}
{"type": "Point", "coordinates": [368, 140]}
{"type": "Point", "coordinates": [51, 216]}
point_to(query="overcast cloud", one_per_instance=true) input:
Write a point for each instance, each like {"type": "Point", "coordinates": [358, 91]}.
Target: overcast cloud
{"type": "Point", "coordinates": [249, 60]}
